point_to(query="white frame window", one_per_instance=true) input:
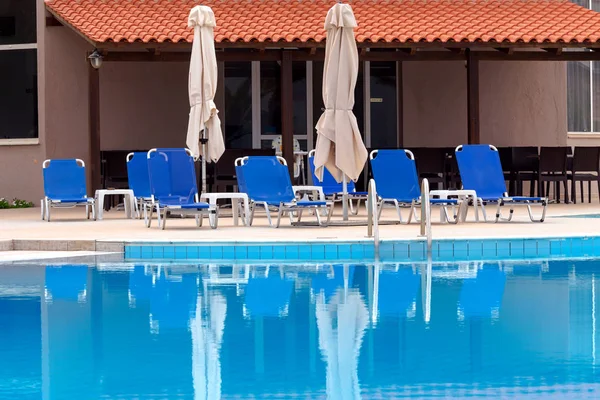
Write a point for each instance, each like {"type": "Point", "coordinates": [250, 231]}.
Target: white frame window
{"type": "Point", "coordinates": [581, 93]}
{"type": "Point", "coordinates": [15, 141]}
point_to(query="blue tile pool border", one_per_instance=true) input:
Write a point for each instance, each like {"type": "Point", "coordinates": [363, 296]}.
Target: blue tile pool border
{"type": "Point", "coordinates": [364, 250]}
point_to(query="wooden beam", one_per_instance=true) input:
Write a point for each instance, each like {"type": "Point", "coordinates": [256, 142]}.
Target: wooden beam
{"type": "Point", "coordinates": [457, 50]}
{"type": "Point", "coordinates": [287, 110]}
{"type": "Point", "coordinates": [51, 21]}
{"type": "Point", "coordinates": [472, 98]}
{"type": "Point", "coordinates": [537, 56]}
{"type": "Point", "coordinates": [315, 54]}
{"type": "Point", "coordinates": [411, 51]}
{"type": "Point", "coordinates": [399, 105]}
{"type": "Point", "coordinates": [553, 50]}
{"type": "Point", "coordinates": [505, 50]}
{"type": "Point", "coordinates": [94, 129]}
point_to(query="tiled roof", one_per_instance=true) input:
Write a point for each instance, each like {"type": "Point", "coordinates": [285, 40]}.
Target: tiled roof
{"type": "Point", "coordinates": [405, 21]}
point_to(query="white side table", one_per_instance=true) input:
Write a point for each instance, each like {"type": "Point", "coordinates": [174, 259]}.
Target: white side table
{"type": "Point", "coordinates": [234, 197]}
{"type": "Point", "coordinates": [129, 201]}
{"type": "Point", "coordinates": [463, 195]}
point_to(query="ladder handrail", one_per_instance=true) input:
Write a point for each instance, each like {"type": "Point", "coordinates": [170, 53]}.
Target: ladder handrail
{"type": "Point", "coordinates": [372, 215]}
{"type": "Point", "coordinates": [426, 213]}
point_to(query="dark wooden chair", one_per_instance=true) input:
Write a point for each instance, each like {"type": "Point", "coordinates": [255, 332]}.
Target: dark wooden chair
{"type": "Point", "coordinates": [585, 168]}
{"type": "Point", "coordinates": [451, 171]}
{"type": "Point", "coordinates": [113, 173]}
{"type": "Point", "coordinates": [431, 165]}
{"type": "Point", "coordinates": [553, 169]}
{"type": "Point", "coordinates": [525, 164]}
{"type": "Point", "coordinates": [506, 159]}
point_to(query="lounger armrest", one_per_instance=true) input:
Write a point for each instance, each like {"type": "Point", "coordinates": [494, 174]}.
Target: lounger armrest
{"type": "Point", "coordinates": [318, 190]}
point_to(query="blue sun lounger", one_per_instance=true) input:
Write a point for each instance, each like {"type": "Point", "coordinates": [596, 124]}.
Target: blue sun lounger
{"type": "Point", "coordinates": [266, 181]}
{"type": "Point", "coordinates": [395, 173]}
{"type": "Point", "coordinates": [139, 179]}
{"type": "Point", "coordinates": [64, 186]}
{"type": "Point", "coordinates": [334, 190]}
{"type": "Point", "coordinates": [481, 171]}
{"type": "Point", "coordinates": [173, 188]}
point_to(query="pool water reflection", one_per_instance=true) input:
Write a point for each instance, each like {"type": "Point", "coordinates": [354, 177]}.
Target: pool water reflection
{"type": "Point", "coordinates": [501, 329]}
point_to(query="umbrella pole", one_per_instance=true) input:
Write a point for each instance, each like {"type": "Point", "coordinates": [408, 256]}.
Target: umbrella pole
{"type": "Point", "coordinates": [345, 197]}
{"type": "Point", "coordinates": [203, 140]}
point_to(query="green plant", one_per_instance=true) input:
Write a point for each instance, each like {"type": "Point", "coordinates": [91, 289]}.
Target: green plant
{"type": "Point", "coordinates": [16, 203]}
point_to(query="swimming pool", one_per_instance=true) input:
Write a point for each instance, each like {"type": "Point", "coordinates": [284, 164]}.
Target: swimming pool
{"type": "Point", "coordinates": [498, 329]}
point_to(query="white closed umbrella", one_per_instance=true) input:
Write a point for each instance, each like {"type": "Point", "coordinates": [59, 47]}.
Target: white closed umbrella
{"type": "Point", "coordinates": [339, 147]}
{"type": "Point", "coordinates": [341, 323]}
{"type": "Point", "coordinates": [207, 336]}
{"type": "Point", "coordinates": [202, 85]}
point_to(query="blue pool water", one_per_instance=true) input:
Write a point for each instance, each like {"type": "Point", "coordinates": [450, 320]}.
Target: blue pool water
{"type": "Point", "coordinates": [495, 330]}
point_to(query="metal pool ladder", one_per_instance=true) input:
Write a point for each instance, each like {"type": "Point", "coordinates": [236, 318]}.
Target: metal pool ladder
{"type": "Point", "coordinates": [426, 214]}
{"type": "Point", "coordinates": [372, 217]}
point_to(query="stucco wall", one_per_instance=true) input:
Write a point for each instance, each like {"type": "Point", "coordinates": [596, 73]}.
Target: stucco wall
{"type": "Point", "coordinates": [435, 98]}
{"type": "Point", "coordinates": [143, 105]}
{"type": "Point", "coordinates": [21, 166]}
{"type": "Point", "coordinates": [66, 94]}
{"type": "Point", "coordinates": [523, 103]}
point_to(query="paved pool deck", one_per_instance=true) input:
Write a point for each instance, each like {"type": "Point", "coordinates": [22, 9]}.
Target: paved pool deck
{"type": "Point", "coordinates": [23, 229]}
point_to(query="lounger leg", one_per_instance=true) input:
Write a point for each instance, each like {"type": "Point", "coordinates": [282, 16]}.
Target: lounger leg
{"type": "Point", "coordinates": [48, 205]}
{"type": "Point", "coordinates": [329, 213]}
{"type": "Point", "coordinates": [531, 213]}
{"type": "Point", "coordinates": [279, 214]}
{"type": "Point", "coordinates": [148, 214]}
{"type": "Point", "coordinates": [158, 217]}
{"type": "Point", "coordinates": [43, 209]}
{"type": "Point", "coordinates": [412, 213]}
{"type": "Point", "coordinates": [416, 215]}
{"type": "Point", "coordinates": [354, 211]}
{"type": "Point", "coordinates": [93, 205]}
{"type": "Point", "coordinates": [318, 215]}
{"type": "Point", "coordinates": [483, 212]}
{"type": "Point", "coordinates": [397, 206]}
{"type": "Point", "coordinates": [268, 214]}
{"type": "Point", "coordinates": [300, 214]}
{"type": "Point", "coordinates": [199, 220]}
{"type": "Point", "coordinates": [379, 209]}
{"type": "Point", "coordinates": [455, 216]}
{"type": "Point", "coordinates": [213, 218]}
{"type": "Point", "coordinates": [164, 219]}
{"type": "Point", "coordinates": [251, 216]}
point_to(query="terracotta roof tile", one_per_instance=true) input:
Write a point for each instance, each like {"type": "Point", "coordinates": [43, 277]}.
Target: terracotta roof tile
{"type": "Point", "coordinates": [514, 21]}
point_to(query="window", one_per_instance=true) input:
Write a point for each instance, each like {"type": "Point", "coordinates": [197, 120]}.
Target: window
{"type": "Point", "coordinates": [238, 105]}
{"type": "Point", "coordinates": [18, 70]}
{"type": "Point", "coordinates": [583, 89]}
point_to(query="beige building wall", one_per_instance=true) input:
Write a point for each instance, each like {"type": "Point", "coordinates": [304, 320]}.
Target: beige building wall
{"type": "Point", "coordinates": [21, 165]}
{"type": "Point", "coordinates": [143, 105]}
{"type": "Point", "coordinates": [521, 103]}
{"type": "Point", "coordinates": [435, 103]}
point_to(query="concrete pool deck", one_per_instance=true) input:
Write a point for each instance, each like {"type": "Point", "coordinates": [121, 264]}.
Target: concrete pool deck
{"type": "Point", "coordinates": [23, 229]}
